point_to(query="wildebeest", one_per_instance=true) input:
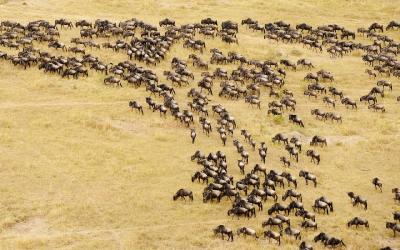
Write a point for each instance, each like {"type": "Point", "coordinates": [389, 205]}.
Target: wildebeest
{"type": "Point", "coordinates": [280, 138]}
{"type": "Point", "coordinates": [318, 140]}
{"type": "Point", "coordinates": [308, 177]}
{"type": "Point", "coordinates": [247, 231]}
{"type": "Point", "coordinates": [377, 183]}
{"type": "Point", "coordinates": [223, 230]}
{"type": "Point", "coordinates": [292, 193]}
{"type": "Point", "coordinates": [273, 222]}
{"type": "Point", "coordinates": [113, 81]}
{"type": "Point", "coordinates": [273, 235]}
{"type": "Point", "coordinates": [334, 242]}
{"type": "Point", "coordinates": [296, 119]}
{"type": "Point", "coordinates": [136, 105]}
{"type": "Point", "coordinates": [293, 232]}
{"type": "Point", "coordinates": [356, 221]}
{"type": "Point", "coordinates": [305, 246]}
{"type": "Point", "coordinates": [305, 214]}
{"type": "Point", "coordinates": [315, 157]}
{"type": "Point", "coordinates": [395, 227]}
{"type": "Point", "coordinates": [182, 193]}
{"type": "Point", "coordinates": [309, 224]}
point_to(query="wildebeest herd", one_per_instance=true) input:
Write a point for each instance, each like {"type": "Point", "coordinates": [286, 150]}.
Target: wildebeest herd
{"type": "Point", "coordinates": [147, 45]}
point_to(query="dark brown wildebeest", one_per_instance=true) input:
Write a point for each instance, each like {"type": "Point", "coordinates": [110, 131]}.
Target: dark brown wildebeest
{"type": "Point", "coordinates": [296, 119]}
{"type": "Point", "coordinates": [356, 221]}
{"type": "Point", "coordinates": [393, 25]}
{"type": "Point", "coordinates": [334, 242]}
{"type": "Point", "coordinates": [395, 227]}
{"type": "Point", "coordinates": [305, 214]}
{"type": "Point", "coordinates": [305, 246]}
{"type": "Point", "coordinates": [292, 193]}
{"type": "Point", "coordinates": [239, 211]}
{"type": "Point", "coordinates": [285, 161]}
{"type": "Point", "coordinates": [377, 183]}
{"type": "Point", "coordinates": [315, 157]}
{"type": "Point", "coordinates": [247, 231]}
{"type": "Point", "coordinates": [112, 80]}
{"type": "Point", "coordinates": [375, 27]}
{"type": "Point", "coordinates": [308, 177]}
{"type": "Point", "coordinates": [280, 138]}
{"type": "Point", "coordinates": [182, 193]}
{"type": "Point", "coordinates": [328, 101]}
{"type": "Point", "coordinates": [377, 107]}
{"type": "Point", "coordinates": [293, 232]}
{"type": "Point", "coordinates": [318, 140]}
{"type": "Point", "coordinates": [200, 176]}
{"type": "Point", "coordinates": [348, 102]}
{"type": "Point", "coordinates": [273, 222]}
{"type": "Point", "coordinates": [318, 205]}
{"type": "Point", "coordinates": [323, 237]}
{"type": "Point", "coordinates": [136, 105]}
{"type": "Point", "coordinates": [223, 230]}
{"type": "Point", "coordinates": [309, 224]}
{"type": "Point", "coordinates": [368, 98]}
{"type": "Point", "coordinates": [273, 235]}
{"type": "Point", "coordinates": [396, 216]}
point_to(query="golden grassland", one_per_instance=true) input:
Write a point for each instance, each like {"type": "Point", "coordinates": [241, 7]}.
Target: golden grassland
{"type": "Point", "coordinates": [79, 170]}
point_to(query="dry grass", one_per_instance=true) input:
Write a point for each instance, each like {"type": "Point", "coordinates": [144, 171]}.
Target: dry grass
{"type": "Point", "coordinates": [78, 170]}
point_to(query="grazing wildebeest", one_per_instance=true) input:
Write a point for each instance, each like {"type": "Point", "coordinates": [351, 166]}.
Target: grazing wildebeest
{"type": "Point", "coordinates": [280, 138]}
{"type": "Point", "coordinates": [384, 84]}
{"type": "Point", "coordinates": [247, 231]}
{"type": "Point", "coordinates": [296, 119]}
{"type": "Point", "coordinates": [200, 176]}
{"type": "Point", "coordinates": [323, 237]}
{"type": "Point", "coordinates": [273, 222]}
{"type": "Point", "coordinates": [356, 221]}
{"type": "Point", "coordinates": [182, 193]}
{"type": "Point", "coordinates": [315, 157]}
{"type": "Point", "coordinates": [375, 27]}
{"type": "Point", "coordinates": [368, 98]}
{"type": "Point", "coordinates": [377, 107]}
{"type": "Point", "coordinates": [273, 235]}
{"type": "Point", "coordinates": [309, 224]}
{"type": "Point", "coordinates": [305, 214]}
{"type": "Point", "coordinates": [292, 193]}
{"type": "Point", "coordinates": [285, 161]}
{"type": "Point", "coordinates": [293, 232]}
{"type": "Point", "coordinates": [334, 242]}
{"type": "Point", "coordinates": [392, 25]}
{"type": "Point", "coordinates": [221, 229]}
{"type": "Point", "coordinates": [305, 246]}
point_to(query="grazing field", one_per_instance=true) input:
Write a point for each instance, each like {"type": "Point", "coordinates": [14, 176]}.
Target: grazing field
{"type": "Point", "coordinates": [80, 170]}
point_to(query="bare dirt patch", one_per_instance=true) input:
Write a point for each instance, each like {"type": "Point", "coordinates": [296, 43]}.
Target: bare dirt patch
{"type": "Point", "coordinates": [30, 226]}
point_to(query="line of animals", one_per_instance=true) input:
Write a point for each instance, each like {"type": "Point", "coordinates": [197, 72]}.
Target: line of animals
{"type": "Point", "coordinates": [146, 44]}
